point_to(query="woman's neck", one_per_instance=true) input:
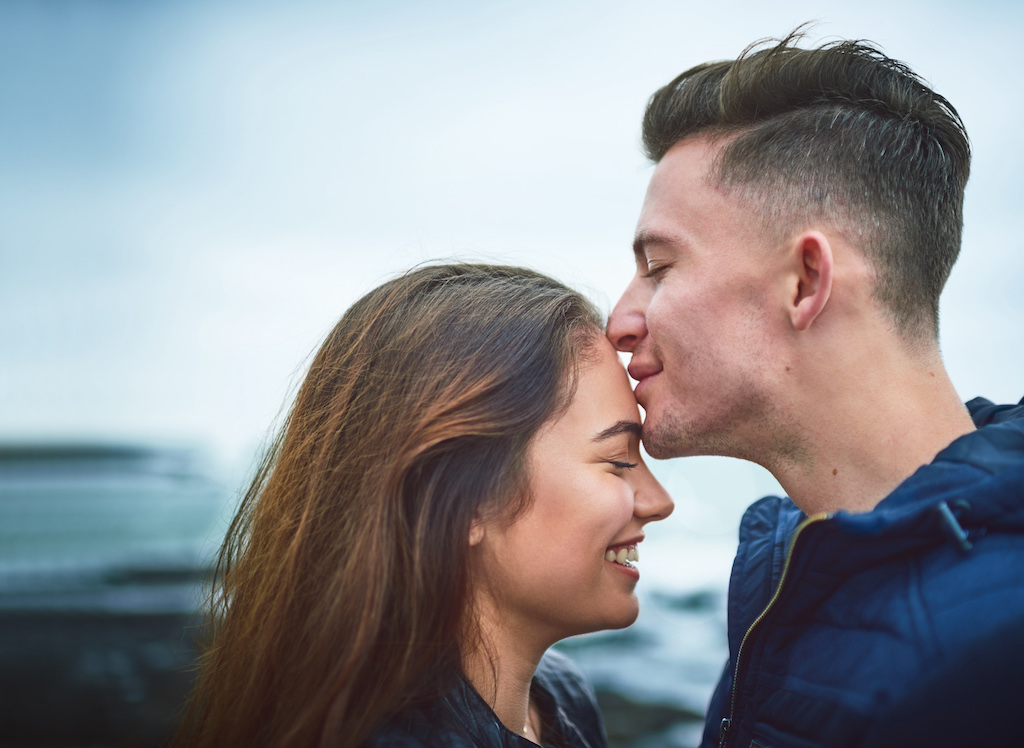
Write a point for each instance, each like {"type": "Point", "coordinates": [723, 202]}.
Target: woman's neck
{"type": "Point", "coordinates": [501, 670]}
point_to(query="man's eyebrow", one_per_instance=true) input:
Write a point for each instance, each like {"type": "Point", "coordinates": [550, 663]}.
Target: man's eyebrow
{"type": "Point", "coordinates": [642, 237]}
{"type": "Point", "coordinates": [645, 237]}
{"type": "Point", "coordinates": [621, 427]}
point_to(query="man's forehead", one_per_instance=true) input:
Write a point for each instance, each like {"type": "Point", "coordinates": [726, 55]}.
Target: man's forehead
{"type": "Point", "coordinates": [683, 194]}
{"type": "Point", "coordinates": [669, 182]}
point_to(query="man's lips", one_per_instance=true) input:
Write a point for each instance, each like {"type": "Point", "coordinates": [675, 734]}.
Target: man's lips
{"type": "Point", "coordinates": [642, 373]}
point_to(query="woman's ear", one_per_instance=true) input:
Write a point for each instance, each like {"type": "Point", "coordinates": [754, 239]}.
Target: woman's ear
{"type": "Point", "coordinates": [813, 278]}
{"type": "Point", "coordinates": [476, 532]}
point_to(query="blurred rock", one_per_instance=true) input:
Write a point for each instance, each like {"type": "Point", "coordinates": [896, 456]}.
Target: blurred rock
{"type": "Point", "coordinates": [102, 564]}
{"type": "Point", "coordinates": [631, 721]}
{"type": "Point", "coordinates": [73, 679]}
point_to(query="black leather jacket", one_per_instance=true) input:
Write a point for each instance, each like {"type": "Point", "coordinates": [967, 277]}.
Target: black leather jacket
{"type": "Point", "coordinates": [462, 719]}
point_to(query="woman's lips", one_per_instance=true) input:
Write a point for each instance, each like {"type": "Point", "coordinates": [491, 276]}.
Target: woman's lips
{"type": "Point", "coordinates": [624, 555]}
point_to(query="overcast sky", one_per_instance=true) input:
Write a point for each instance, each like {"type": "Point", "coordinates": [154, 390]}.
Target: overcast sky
{"type": "Point", "coordinates": [193, 192]}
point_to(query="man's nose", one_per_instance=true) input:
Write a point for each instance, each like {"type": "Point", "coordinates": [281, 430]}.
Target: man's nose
{"type": "Point", "coordinates": [627, 325]}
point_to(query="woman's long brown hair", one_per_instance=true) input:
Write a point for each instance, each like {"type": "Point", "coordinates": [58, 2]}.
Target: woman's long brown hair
{"type": "Point", "coordinates": [344, 577]}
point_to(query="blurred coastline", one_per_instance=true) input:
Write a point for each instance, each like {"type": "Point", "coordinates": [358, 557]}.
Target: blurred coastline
{"type": "Point", "coordinates": [105, 550]}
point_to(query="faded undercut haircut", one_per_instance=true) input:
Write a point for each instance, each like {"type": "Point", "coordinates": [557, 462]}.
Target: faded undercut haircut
{"type": "Point", "coordinates": [840, 134]}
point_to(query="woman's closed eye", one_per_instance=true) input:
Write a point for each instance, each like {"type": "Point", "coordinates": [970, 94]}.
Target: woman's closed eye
{"type": "Point", "coordinates": [623, 465]}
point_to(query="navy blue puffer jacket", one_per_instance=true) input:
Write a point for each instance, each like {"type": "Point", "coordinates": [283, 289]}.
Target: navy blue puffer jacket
{"type": "Point", "coordinates": [833, 619]}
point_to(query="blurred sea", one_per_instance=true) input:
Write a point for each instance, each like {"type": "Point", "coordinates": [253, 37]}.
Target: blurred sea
{"type": "Point", "coordinates": [104, 550]}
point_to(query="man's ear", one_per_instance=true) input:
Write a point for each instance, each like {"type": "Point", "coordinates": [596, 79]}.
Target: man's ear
{"type": "Point", "coordinates": [476, 532]}
{"type": "Point", "coordinates": [813, 267]}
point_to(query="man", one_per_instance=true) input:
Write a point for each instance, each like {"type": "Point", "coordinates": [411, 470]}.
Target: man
{"type": "Point", "coordinates": [800, 224]}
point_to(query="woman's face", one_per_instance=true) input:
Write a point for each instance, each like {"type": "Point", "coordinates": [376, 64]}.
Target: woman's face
{"type": "Point", "coordinates": [591, 495]}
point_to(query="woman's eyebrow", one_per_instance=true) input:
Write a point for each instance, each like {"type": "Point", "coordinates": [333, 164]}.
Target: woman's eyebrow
{"type": "Point", "coordinates": [621, 427]}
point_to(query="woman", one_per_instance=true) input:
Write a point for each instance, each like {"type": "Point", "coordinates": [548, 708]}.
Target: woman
{"type": "Point", "coordinates": [458, 486]}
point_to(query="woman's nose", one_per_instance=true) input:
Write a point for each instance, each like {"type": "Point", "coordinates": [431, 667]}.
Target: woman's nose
{"type": "Point", "coordinates": [627, 325]}
{"type": "Point", "coordinates": [651, 502]}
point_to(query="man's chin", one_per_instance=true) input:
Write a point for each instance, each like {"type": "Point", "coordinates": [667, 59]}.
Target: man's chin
{"type": "Point", "coordinates": [668, 438]}
{"type": "Point", "coordinates": [656, 445]}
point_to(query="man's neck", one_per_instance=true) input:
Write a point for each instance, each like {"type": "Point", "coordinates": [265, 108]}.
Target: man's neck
{"type": "Point", "coordinates": [869, 433]}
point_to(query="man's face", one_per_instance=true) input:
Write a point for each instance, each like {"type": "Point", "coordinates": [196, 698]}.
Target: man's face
{"type": "Point", "coordinates": [698, 315]}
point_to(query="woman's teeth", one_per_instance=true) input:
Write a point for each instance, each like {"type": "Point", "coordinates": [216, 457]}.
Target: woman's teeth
{"type": "Point", "coordinates": [623, 556]}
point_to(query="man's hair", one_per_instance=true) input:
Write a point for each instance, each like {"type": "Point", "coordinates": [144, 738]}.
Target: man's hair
{"type": "Point", "coordinates": [842, 134]}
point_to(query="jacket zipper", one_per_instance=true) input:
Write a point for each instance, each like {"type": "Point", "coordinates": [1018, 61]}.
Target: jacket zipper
{"type": "Point", "coordinates": [727, 722]}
